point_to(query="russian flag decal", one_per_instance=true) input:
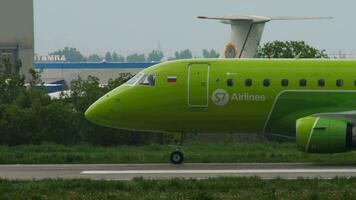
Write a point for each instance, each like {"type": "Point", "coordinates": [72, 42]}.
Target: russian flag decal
{"type": "Point", "coordinates": [172, 79]}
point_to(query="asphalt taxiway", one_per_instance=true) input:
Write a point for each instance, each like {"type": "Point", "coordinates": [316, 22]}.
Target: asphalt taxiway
{"type": "Point", "coordinates": [165, 171]}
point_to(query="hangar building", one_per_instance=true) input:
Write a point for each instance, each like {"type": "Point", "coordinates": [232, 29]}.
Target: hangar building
{"type": "Point", "coordinates": [54, 72]}
{"type": "Point", "coordinates": [17, 32]}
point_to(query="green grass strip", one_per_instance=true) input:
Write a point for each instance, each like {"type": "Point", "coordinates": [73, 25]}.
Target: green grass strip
{"type": "Point", "coordinates": [195, 153]}
{"type": "Point", "coordinates": [214, 188]}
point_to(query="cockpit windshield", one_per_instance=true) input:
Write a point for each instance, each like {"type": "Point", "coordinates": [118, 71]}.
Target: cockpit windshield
{"type": "Point", "coordinates": [149, 80]}
{"type": "Point", "coordinates": [134, 79]}
{"type": "Point", "coordinates": [142, 79]}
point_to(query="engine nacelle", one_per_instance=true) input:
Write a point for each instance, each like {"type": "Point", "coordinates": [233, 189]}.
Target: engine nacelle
{"type": "Point", "coordinates": [324, 135]}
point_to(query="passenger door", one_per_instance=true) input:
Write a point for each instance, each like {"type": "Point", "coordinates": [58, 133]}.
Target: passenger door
{"type": "Point", "coordinates": [198, 85]}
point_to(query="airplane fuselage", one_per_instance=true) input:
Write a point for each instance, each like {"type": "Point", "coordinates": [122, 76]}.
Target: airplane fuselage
{"type": "Point", "coordinates": [228, 95]}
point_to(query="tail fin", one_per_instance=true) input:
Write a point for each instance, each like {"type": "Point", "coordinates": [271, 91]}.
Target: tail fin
{"type": "Point", "coordinates": [246, 33]}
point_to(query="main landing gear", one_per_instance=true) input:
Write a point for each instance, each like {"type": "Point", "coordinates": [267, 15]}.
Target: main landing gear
{"type": "Point", "coordinates": [177, 156]}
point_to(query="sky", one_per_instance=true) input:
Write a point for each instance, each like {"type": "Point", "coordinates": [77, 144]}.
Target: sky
{"type": "Point", "coordinates": [139, 26]}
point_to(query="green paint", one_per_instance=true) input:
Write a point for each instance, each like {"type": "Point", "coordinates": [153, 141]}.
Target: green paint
{"type": "Point", "coordinates": [198, 85]}
{"type": "Point", "coordinates": [293, 105]}
{"type": "Point", "coordinates": [324, 136]}
{"type": "Point", "coordinates": [304, 129]}
{"type": "Point", "coordinates": [208, 104]}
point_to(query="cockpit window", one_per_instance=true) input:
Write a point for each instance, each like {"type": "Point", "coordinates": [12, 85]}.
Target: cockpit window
{"type": "Point", "coordinates": [149, 80]}
{"type": "Point", "coordinates": [134, 79]}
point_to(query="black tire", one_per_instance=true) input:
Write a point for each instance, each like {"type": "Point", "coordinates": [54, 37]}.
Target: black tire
{"type": "Point", "coordinates": [177, 157]}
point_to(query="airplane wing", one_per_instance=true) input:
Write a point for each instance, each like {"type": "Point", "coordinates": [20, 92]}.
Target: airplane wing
{"type": "Point", "coordinates": [324, 104]}
{"type": "Point", "coordinates": [349, 116]}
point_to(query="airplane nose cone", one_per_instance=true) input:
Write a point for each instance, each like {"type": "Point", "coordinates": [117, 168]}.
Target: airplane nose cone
{"type": "Point", "coordinates": [91, 113]}
{"type": "Point", "coordinates": [99, 112]}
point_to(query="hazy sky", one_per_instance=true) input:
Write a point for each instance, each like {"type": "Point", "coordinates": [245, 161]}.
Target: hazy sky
{"type": "Point", "coordinates": [126, 26]}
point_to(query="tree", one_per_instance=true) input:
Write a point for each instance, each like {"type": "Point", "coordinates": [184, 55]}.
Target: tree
{"type": "Point", "coordinates": [290, 49]}
{"type": "Point", "coordinates": [136, 58]}
{"type": "Point", "coordinates": [155, 56]}
{"type": "Point", "coordinates": [71, 54]}
{"type": "Point", "coordinates": [185, 54]}
{"type": "Point", "coordinates": [94, 58]}
{"type": "Point", "coordinates": [210, 54]}
{"type": "Point", "coordinates": [11, 82]}
{"type": "Point", "coordinates": [29, 116]}
{"type": "Point", "coordinates": [117, 58]}
{"type": "Point", "coordinates": [108, 57]}
{"type": "Point", "coordinates": [114, 83]}
{"type": "Point", "coordinates": [85, 92]}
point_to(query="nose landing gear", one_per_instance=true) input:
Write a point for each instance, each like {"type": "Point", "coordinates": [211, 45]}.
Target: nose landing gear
{"type": "Point", "coordinates": [177, 157]}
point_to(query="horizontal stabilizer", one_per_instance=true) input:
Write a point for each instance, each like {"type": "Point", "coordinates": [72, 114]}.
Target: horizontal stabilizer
{"type": "Point", "coordinates": [246, 33]}
{"type": "Point", "coordinates": [259, 19]}
{"type": "Point", "coordinates": [300, 18]}
{"type": "Point", "coordinates": [246, 18]}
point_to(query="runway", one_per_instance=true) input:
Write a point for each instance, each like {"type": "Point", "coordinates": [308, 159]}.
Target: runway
{"type": "Point", "coordinates": [166, 171]}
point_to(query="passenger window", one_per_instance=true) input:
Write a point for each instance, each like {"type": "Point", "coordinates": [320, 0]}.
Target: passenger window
{"type": "Point", "coordinates": [303, 82]}
{"type": "Point", "coordinates": [230, 82]}
{"type": "Point", "coordinates": [340, 83]}
{"type": "Point", "coordinates": [149, 80]}
{"type": "Point", "coordinates": [284, 82]}
{"type": "Point", "coordinates": [248, 82]}
{"type": "Point", "coordinates": [266, 82]}
{"type": "Point", "coordinates": [321, 82]}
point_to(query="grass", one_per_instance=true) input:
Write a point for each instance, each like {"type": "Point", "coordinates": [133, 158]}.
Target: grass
{"type": "Point", "coordinates": [215, 188]}
{"type": "Point", "coordinates": [195, 153]}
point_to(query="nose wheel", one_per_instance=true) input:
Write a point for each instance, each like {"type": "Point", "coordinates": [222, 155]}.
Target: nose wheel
{"type": "Point", "coordinates": [177, 157]}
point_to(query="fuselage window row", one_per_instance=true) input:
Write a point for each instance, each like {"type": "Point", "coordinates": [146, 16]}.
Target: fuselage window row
{"type": "Point", "coordinates": [285, 82]}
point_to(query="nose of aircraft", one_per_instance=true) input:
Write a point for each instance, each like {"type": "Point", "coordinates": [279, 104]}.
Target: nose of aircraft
{"type": "Point", "coordinates": [91, 113]}
{"type": "Point", "coordinates": [99, 112]}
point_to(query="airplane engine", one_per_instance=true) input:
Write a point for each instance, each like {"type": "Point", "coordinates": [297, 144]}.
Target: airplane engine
{"type": "Point", "coordinates": [324, 135]}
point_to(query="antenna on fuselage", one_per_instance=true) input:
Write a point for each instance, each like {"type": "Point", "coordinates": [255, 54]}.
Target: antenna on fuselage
{"type": "Point", "coordinates": [246, 33]}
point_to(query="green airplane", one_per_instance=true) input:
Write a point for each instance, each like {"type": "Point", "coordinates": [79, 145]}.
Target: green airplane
{"type": "Point", "coordinates": [313, 101]}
